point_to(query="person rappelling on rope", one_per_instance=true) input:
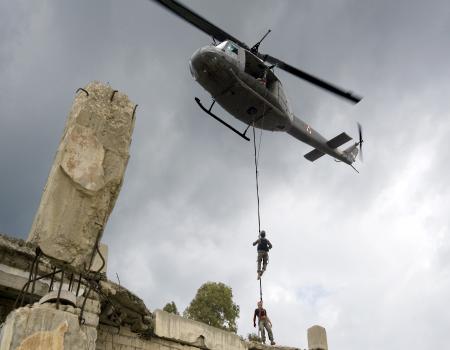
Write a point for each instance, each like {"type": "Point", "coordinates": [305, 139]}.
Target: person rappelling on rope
{"type": "Point", "coordinates": [263, 252]}
{"type": "Point", "coordinates": [263, 322]}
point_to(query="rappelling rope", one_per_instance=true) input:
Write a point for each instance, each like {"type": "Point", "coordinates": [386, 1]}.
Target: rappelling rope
{"type": "Point", "coordinates": [256, 156]}
{"type": "Point", "coordinates": [257, 180]}
{"type": "Point", "coordinates": [257, 196]}
{"type": "Point", "coordinates": [260, 289]}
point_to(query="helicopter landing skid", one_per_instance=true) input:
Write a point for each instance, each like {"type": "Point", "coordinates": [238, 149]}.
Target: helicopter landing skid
{"type": "Point", "coordinates": [208, 111]}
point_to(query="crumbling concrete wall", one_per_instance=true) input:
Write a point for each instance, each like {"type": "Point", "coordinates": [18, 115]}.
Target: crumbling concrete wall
{"type": "Point", "coordinates": [175, 332]}
{"type": "Point", "coordinates": [86, 175]}
{"type": "Point", "coordinates": [180, 329]}
{"type": "Point", "coordinates": [111, 338]}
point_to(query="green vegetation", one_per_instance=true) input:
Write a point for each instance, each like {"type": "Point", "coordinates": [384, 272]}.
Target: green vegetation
{"type": "Point", "coordinates": [213, 304]}
{"type": "Point", "coordinates": [171, 308]}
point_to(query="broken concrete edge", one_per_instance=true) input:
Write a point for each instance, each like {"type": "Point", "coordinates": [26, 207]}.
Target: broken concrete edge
{"type": "Point", "coordinates": [259, 346]}
{"type": "Point", "coordinates": [19, 254]}
{"type": "Point", "coordinates": [184, 331]}
{"type": "Point", "coordinates": [16, 258]}
{"type": "Point", "coordinates": [123, 338]}
{"type": "Point", "coordinates": [119, 305]}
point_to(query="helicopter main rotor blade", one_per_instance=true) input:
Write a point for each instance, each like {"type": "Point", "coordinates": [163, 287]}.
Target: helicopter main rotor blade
{"type": "Point", "coordinates": [207, 27]}
{"type": "Point", "coordinates": [198, 21]}
{"type": "Point", "coordinates": [349, 95]}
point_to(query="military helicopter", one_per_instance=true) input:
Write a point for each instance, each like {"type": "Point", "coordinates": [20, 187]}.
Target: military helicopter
{"type": "Point", "coordinates": [238, 79]}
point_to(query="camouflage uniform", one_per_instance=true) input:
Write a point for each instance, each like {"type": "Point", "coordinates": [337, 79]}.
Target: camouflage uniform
{"type": "Point", "coordinates": [264, 323]}
{"type": "Point", "coordinates": [263, 252]}
{"type": "Point", "coordinates": [264, 258]}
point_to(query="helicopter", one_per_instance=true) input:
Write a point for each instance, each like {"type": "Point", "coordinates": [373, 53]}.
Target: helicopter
{"type": "Point", "coordinates": [239, 80]}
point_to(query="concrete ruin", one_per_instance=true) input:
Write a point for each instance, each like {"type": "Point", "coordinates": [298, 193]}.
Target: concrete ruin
{"type": "Point", "coordinates": [86, 175]}
{"type": "Point", "coordinates": [54, 293]}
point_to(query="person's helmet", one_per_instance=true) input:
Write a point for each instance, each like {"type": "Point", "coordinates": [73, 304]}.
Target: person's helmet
{"type": "Point", "coordinates": [263, 233]}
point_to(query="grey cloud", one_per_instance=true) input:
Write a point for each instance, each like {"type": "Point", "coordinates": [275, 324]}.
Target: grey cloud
{"type": "Point", "coordinates": [187, 210]}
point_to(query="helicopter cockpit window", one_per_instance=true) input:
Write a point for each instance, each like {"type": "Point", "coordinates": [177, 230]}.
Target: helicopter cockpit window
{"type": "Point", "coordinates": [232, 48]}
{"type": "Point", "coordinates": [228, 47]}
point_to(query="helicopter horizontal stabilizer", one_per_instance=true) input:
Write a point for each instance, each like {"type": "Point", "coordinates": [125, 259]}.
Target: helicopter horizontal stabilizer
{"type": "Point", "coordinates": [339, 140]}
{"type": "Point", "coordinates": [314, 155]}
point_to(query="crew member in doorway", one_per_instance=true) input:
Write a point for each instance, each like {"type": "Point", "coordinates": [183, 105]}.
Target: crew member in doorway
{"type": "Point", "coordinates": [263, 252]}
{"type": "Point", "coordinates": [263, 322]}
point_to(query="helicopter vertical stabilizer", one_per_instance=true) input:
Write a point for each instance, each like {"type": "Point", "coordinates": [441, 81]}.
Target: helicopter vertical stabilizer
{"type": "Point", "coordinates": [352, 152]}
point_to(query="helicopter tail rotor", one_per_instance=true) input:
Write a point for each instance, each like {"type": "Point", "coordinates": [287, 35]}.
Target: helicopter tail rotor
{"type": "Point", "coordinates": [360, 143]}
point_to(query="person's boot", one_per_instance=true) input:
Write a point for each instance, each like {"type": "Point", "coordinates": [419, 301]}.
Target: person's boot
{"type": "Point", "coordinates": [272, 342]}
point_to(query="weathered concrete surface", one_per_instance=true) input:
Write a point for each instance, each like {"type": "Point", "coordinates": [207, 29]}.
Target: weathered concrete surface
{"type": "Point", "coordinates": [46, 340]}
{"type": "Point", "coordinates": [193, 333]}
{"type": "Point", "coordinates": [42, 327]}
{"type": "Point", "coordinates": [317, 338]}
{"type": "Point", "coordinates": [86, 175]}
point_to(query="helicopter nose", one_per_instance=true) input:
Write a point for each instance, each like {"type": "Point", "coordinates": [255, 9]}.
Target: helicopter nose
{"type": "Point", "coordinates": [202, 62]}
{"type": "Point", "coordinates": [195, 64]}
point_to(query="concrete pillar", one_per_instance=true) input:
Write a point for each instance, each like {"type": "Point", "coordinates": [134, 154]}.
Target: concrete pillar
{"type": "Point", "coordinates": [86, 175]}
{"type": "Point", "coordinates": [317, 338]}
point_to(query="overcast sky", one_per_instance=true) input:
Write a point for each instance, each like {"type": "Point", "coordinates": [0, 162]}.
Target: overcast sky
{"type": "Point", "coordinates": [366, 256]}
